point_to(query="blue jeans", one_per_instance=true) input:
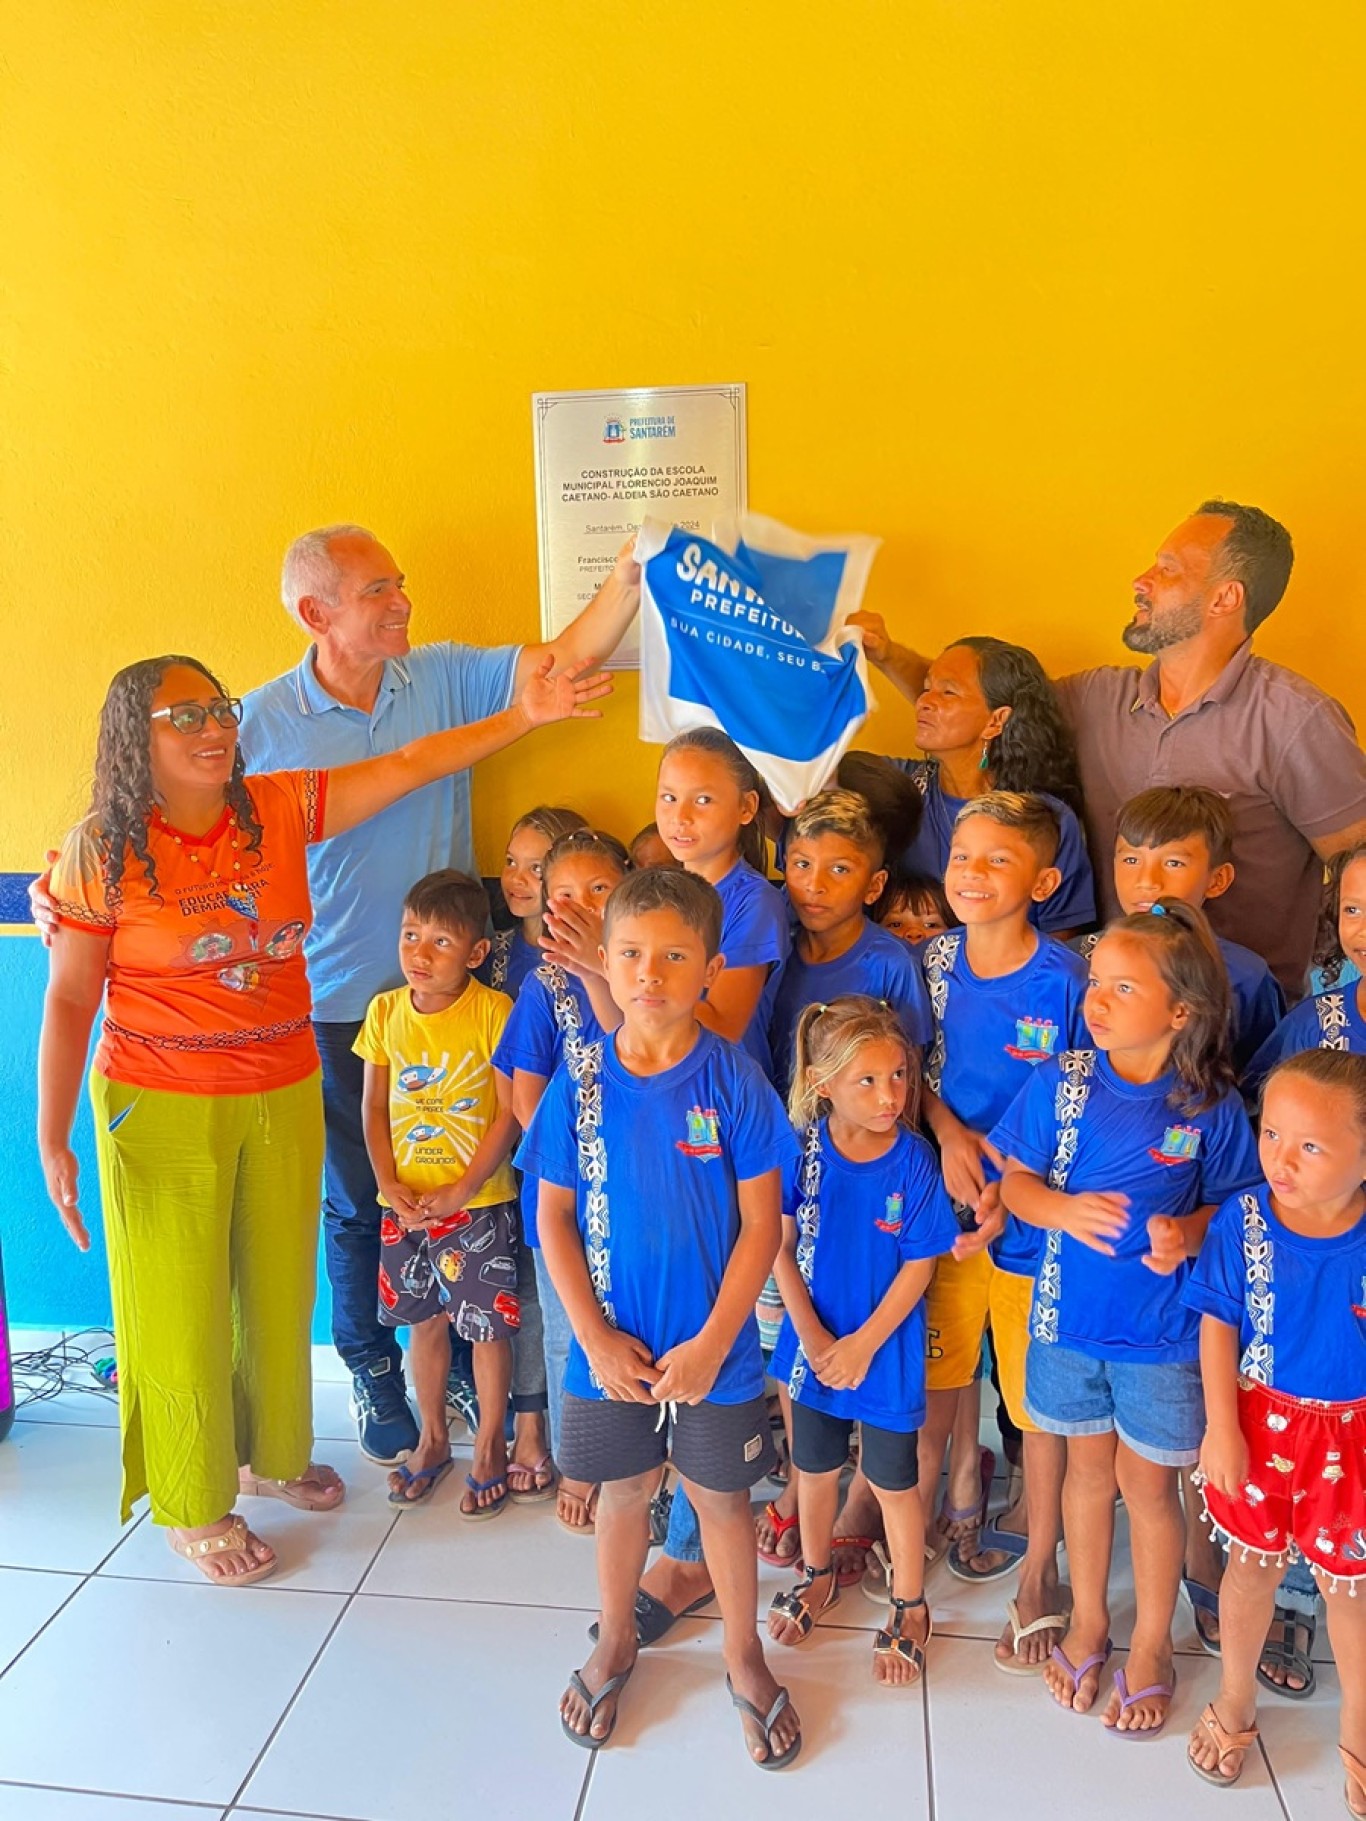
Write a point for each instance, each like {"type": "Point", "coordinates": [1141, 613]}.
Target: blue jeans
{"type": "Point", "coordinates": [351, 1210]}
{"type": "Point", "coordinates": [1299, 1590]}
{"type": "Point", "coordinates": [684, 1541]}
{"type": "Point", "coordinates": [556, 1336]}
{"type": "Point", "coordinates": [351, 1215]}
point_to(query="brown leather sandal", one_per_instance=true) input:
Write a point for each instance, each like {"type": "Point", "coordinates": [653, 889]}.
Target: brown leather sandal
{"type": "Point", "coordinates": [236, 1539]}
{"type": "Point", "coordinates": [1226, 1744]}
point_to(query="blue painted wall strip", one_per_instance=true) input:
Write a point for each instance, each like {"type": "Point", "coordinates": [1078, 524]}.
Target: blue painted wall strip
{"type": "Point", "coordinates": [14, 897]}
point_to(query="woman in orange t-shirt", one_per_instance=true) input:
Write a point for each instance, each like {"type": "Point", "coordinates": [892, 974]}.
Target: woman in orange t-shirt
{"type": "Point", "coordinates": [182, 903]}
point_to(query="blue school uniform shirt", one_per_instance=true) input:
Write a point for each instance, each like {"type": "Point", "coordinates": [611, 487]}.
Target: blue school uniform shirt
{"type": "Point", "coordinates": [551, 1014]}
{"type": "Point", "coordinates": [509, 960]}
{"type": "Point", "coordinates": [879, 964]}
{"type": "Point", "coordinates": [989, 1037]}
{"type": "Point", "coordinates": [1126, 1139]}
{"type": "Point", "coordinates": [663, 1155]}
{"type": "Point", "coordinates": [864, 1221]}
{"type": "Point", "coordinates": [1073, 904]}
{"type": "Point", "coordinates": [1299, 1304]}
{"type": "Point", "coordinates": [357, 879]}
{"type": "Point", "coordinates": [1258, 1002]}
{"type": "Point", "coordinates": [754, 933]}
{"type": "Point", "coordinates": [1331, 1021]}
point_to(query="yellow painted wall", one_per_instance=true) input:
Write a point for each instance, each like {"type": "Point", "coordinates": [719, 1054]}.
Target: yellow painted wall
{"type": "Point", "coordinates": [1013, 283]}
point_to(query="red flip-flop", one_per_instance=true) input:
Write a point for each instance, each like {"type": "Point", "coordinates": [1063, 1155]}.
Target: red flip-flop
{"type": "Point", "coordinates": [781, 1526]}
{"type": "Point", "coordinates": [850, 1577]}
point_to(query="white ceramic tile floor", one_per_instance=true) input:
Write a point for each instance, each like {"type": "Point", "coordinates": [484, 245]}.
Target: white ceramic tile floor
{"type": "Point", "coordinates": [264, 1701]}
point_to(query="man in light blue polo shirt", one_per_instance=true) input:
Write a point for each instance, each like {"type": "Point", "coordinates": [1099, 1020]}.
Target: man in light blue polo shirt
{"type": "Point", "coordinates": [362, 689]}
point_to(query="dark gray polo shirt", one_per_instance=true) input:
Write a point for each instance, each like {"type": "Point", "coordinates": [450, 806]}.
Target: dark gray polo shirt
{"type": "Point", "coordinates": [1283, 753]}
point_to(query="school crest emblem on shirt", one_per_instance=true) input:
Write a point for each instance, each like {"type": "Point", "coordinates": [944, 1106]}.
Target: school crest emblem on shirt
{"type": "Point", "coordinates": [891, 1219]}
{"type": "Point", "coordinates": [1034, 1039]}
{"type": "Point", "coordinates": [1180, 1143]}
{"type": "Point", "coordinates": [704, 1134]}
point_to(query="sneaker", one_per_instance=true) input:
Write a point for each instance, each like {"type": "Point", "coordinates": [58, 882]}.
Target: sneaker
{"type": "Point", "coordinates": [461, 1400]}
{"type": "Point", "coordinates": [385, 1426]}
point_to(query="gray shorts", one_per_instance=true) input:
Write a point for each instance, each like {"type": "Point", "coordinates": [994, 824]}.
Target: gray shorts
{"type": "Point", "coordinates": [720, 1447]}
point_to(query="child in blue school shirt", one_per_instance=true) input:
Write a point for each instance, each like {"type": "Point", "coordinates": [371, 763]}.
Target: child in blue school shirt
{"type": "Point", "coordinates": [1280, 1285]}
{"type": "Point", "coordinates": [1335, 1018]}
{"type": "Point", "coordinates": [516, 952]}
{"type": "Point", "coordinates": [833, 866]}
{"type": "Point", "coordinates": [1120, 1153]}
{"type": "Point", "coordinates": [1176, 841]}
{"type": "Point", "coordinates": [551, 1022]}
{"type": "Point", "coordinates": [1005, 998]}
{"type": "Point", "coordinates": [866, 1218]}
{"type": "Point", "coordinates": [660, 1164]}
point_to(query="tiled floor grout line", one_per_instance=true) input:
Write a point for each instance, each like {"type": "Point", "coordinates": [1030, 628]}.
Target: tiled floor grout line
{"type": "Point", "coordinates": [313, 1664]}
{"type": "Point", "coordinates": [23, 1650]}
{"type": "Point", "coordinates": [929, 1743]}
{"type": "Point", "coordinates": [1275, 1784]}
{"type": "Point", "coordinates": [118, 1795]}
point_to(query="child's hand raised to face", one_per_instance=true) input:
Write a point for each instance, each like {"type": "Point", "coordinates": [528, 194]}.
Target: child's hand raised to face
{"type": "Point", "coordinates": [1167, 1237]}
{"type": "Point", "coordinates": [623, 1365]}
{"type": "Point", "coordinates": [573, 936]}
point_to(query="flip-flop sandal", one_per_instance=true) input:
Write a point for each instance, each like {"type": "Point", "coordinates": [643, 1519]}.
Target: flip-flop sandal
{"type": "Point", "coordinates": [892, 1644]}
{"type": "Point", "coordinates": [428, 1478]}
{"type": "Point", "coordinates": [655, 1620]}
{"type": "Point", "coordinates": [1051, 1621]}
{"type": "Point", "coordinates": [975, 1515]}
{"type": "Point", "coordinates": [850, 1577]}
{"type": "Point", "coordinates": [1224, 1743]}
{"type": "Point", "coordinates": [766, 1722]}
{"type": "Point", "coordinates": [479, 1513]}
{"type": "Point", "coordinates": [1204, 1605]}
{"type": "Point", "coordinates": [1127, 1700]}
{"type": "Point", "coordinates": [303, 1493]}
{"type": "Point", "coordinates": [236, 1539]}
{"type": "Point", "coordinates": [588, 1500]}
{"type": "Point", "coordinates": [539, 1489]}
{"type": "Point", "coordinates": [781, 1526]}
{"type": "Point", "coordinates": [612, 1686]}
{"type": "Point", "coordinates": [1293, 1661]}
{"type": "Point", "coordinates": [990, 1541]}
{"type": "Point", "coordinates": [1078, 1673]}
{"type": "Point", "coordinates": [801, 1612]}
{"type": "Point", "coordinates": [1356, 1780]}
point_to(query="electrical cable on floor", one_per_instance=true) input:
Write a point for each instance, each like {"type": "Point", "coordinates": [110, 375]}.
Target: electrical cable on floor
{"type": "Point", "coordinates": [82, 1361]}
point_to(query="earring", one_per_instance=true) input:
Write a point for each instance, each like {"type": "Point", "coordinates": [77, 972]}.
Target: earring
{"type": "Point", "coordinates": [984, 763]}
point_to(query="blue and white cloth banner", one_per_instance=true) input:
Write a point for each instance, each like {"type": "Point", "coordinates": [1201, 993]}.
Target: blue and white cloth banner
{"type": "Point", "coordinates": [747, 631]}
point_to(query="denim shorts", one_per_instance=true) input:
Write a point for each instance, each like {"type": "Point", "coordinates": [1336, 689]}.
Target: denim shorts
{"type": "Point", "coordinates": [1157, 1411]}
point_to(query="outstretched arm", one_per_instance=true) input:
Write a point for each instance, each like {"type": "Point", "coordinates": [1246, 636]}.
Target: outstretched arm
{"type": "Point", "coordinates": [356, 792]}
{"type": "Point", "coordinates": [898, 663]}
{"type": "Point", "coordinates": [599, 629]}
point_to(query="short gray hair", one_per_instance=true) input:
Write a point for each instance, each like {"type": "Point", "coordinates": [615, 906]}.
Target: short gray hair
{"type": "Point", "coordinates": [309, 568]}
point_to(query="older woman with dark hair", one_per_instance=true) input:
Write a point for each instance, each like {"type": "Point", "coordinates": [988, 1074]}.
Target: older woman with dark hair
{"type": "Point", "coordinates": [182, 900]}
{"type": "Point", "coordinates": [987, 719]}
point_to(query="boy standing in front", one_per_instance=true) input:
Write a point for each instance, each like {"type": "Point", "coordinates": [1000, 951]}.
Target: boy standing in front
{"type": "Point", "coordinates": [439, 1140]}
{"type": "Point", "coordinates": [660, 1157]}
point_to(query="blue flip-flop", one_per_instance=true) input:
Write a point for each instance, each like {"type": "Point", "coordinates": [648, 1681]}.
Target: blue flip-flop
{"type": "Point", "coordinates": [429, 1478]}
{"type": "Point", "coordinates": [1203, 1601]}
{"type": "Point", "coordinates": [481, 1512]}
{"type": "Point", "coordinates": [991, 1541]}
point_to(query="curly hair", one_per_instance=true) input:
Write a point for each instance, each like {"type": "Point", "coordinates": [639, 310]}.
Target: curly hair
{"type": "Point", "coordinates": [122, 797]}
{"type": "Point", "coordinates": [1034, 751]}
{"type": "Point", "coordinates": [1328, 953]}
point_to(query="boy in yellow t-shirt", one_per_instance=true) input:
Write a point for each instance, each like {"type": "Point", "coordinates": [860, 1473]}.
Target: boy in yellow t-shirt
{"type": "Point", "coordinates": [439, 1136]}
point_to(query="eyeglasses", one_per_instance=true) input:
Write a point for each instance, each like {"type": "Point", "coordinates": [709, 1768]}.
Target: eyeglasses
{"type": "Point", "coordinates": [189, 717]}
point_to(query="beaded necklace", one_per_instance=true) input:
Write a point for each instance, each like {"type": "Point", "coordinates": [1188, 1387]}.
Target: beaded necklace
{"type": "Point", "coordinates": [191, 853]}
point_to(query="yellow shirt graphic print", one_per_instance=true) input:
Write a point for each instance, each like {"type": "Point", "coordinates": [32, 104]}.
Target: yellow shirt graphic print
{"type": "Point", "coordinates": [441, 1090]}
